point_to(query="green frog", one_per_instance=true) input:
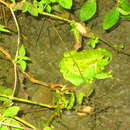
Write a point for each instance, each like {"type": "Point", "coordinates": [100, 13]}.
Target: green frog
{"type": "Point", "coordinates": [80, 67]}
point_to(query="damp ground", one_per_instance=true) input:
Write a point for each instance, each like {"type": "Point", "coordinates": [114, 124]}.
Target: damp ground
{"type": "Point", "coordinates": [111, 99]}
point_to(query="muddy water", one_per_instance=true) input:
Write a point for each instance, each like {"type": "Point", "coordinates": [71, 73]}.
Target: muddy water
{"type": "Point", "coordinates": [112, 96]}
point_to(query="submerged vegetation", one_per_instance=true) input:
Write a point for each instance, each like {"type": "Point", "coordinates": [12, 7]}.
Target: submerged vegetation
{"type": "Point", "coordinates": [78, 66]}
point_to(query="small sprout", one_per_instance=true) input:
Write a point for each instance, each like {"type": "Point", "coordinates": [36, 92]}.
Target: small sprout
{"type": "Point", "coordinates": [22, 59]}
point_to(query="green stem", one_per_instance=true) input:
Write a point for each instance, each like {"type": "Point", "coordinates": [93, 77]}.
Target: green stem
{"type": "Point", "coordinates": [27, 101]}
{"type": "Point", "coordinates": [56, 17]}
{"type": "Point", "coordinates": [25, 122]}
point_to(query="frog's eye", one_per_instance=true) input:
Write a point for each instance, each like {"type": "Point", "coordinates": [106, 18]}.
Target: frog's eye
{"type": "Point", "coordinates": [106, 58]}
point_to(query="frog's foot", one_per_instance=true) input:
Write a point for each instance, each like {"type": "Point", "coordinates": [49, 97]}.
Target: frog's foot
{"type": "Point", "coordinates": [103, 75]}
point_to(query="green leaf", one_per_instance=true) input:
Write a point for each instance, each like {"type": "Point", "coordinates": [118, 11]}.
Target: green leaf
{"type": "Point", "coordinates": [5, 90]}
{"type": "Point", "coordinates": [80, 98]}
{"type": "Point", "coordinates": [23, 58]}
{"type": "Point", "coordinates": [93, 42]}
{"type": "Point", "coordinates": [11, 111]}
{"type": "Point", "coordinates": [67, 4]}
{"type": "Point", "coordinates": [111, 19]}
{"type": "Point", "coordinates": [12, 122]}
{"type": "Point", "coordinates": [123, 12]}
{"type": "Point", "coordinates": [8, 92]}
{"type": "Point", "coordinates": [2, 29]}
{"type": "Point", "coordinates": [71, 101]}
{"type": "Point", "coordinates": [88, 10]}
{"type": "Point", "coordinates": [33, 11]}
{"type": "Point", "coordinates": [23, 64]}
{"type": "Point", "coordinates": [22, 51]}
{"type": "Point", "coordinates": [26, 6]}
{"type": "Point", "coordinates": [125, 5]}
{"type": "Point", "coordinates": [126, 17]}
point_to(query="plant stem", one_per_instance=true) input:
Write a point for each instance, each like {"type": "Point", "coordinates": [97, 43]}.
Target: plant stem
{"type": "Point", "coordinates": [28, 101]}
{"type": "Point", "coordinates": [25, 122]}
{"type": "Point", "coordinates": [13, 126]}
{"type": "Point", "coordinates": [56, 17]}
{"type": "Point", "coordinates": [18, 43]}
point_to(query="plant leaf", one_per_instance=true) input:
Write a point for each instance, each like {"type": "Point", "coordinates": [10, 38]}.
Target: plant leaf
{"type": "Point", "coordinates": [2, 29]}
{"type": "Point", "coordinates": [123, 12]}
{"type": "Point", "coordinates": [71, 101]}
{"type": "Point", "coordinates": [80, 98]}
{"type": "Point", "coordinates": [23, 58]}
{"type": "Point", "coordinates": [23, 64]}
{"type": "Point", "coordinates": [111, 19]}
{"type": "Point", "coordinates": [88, 10]}
{"type": "Point", "coordinates": [8, 92]}
{"type": "Point", "coordinates": [22, 51]}
{"type": "Point", "coordinates": [11, 111]}
{"type": "Point", "coordinates": [33, 11]}
{"type": "Point", "coordinates": [26, 6]}
{"type": "Point", "coordinates": [93, 42]}
{"type": "Point", "coordinates": [125, 5]}
{"type": "Point", "coordinates": [127, 17]}
{"type": "Point", "coordinates": [67, 4]}
{"type": "Point", "coordinates": [12, 122]}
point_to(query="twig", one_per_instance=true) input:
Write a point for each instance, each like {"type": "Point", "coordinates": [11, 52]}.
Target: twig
{"type": "Point", "coordinates": [28, 101]}
{"type": "Point", "coordinates": [14, 126]}
{"type": "Point", "coordinates": [6, 53]}
{"type": "Point", "coordinates": [56, 17]}
{"type": "Point", "coordinates": [29, 76]}
{"type": "Point", "coordinates": [18, 43]}
{"type": "Point", "coordinates": [49, 85]}
{"type": "Point", "coordinates": [25, 123]}
{"type": "Point", "coordinates": [109, 44]}
{"type": "Point", "coordinates": [10, 6]}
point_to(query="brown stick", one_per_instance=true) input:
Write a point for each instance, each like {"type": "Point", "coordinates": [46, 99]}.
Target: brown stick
{"type": "Point", "coordinates": [6, 53]}
{"type": "Point", "coordinates": [50, 85]}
